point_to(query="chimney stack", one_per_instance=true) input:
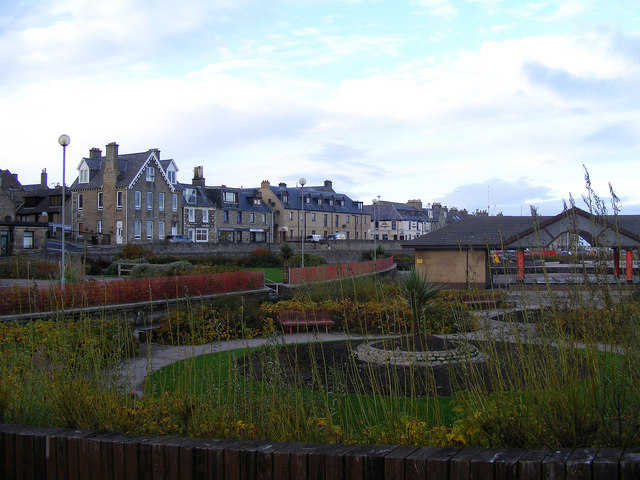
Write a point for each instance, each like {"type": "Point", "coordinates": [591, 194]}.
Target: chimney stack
{"type": "Point", "coordinates": [198, 177]}
{"type": "Point", "coordinates": [417, 204]}
{"type": "Point", "coordinates": [265, 185]}
{"type": "Point", "coordinates": [328, 186]}
{"type": "Point", "coordinates": [43, 178]}
{"type": "Point", "coordinates": [95, 153]}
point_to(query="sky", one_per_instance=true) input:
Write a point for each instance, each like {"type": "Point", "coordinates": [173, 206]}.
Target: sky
{"type": "Point", "coordinates": [495, 105]}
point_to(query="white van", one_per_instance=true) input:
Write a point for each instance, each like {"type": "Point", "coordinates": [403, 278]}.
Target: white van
{"type": "Point", "coordinates": [314, 238]}
{"type": "Point", "coordinates": [337, 236]}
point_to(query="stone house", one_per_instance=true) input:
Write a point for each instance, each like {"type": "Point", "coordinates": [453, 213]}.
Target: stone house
{"type": "Point", "coordinates": [199, 212]}
{"type": "Point", "coordinates": [241, 215]}
{"type": "Point", "coordinates": [325, 212]}
{"type": "Point", "coordinates": [121, 199]}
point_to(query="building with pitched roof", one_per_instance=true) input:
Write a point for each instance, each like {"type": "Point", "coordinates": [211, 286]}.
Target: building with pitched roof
{"type": "Point", "coordinates": [459, 254]}
{"type": "Point", "coordinates": [121, 199]}
{"type": "Point", "coordinates": [325, 212]}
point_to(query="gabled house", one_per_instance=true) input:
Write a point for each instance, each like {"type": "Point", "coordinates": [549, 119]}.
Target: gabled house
{"type": "Point", "coordinates": [120, 199]}
{"type": "Point", "coordinates": [398, 221]}
{"type": "Point", "coordinates": [325, 212]}
{"type": "Point", "coordinates": [43, 204]}
{"type": "Point", "coordinates": [241, 215]}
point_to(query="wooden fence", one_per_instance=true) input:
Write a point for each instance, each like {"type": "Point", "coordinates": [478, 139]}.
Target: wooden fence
{"type": "Point", "coordinates": [20, 299]}
{"type": "Point", "coordinates": [333, 272]}
{"type": "Point", "coordinates": [60, 454]}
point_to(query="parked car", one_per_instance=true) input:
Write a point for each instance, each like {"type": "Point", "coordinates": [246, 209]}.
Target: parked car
{"type": "Point", "coordinates": [178, 239]}
{"type": "Point", "coordinates": [337, 236]}
{"type": "Point", "coordinates": [314, 238]}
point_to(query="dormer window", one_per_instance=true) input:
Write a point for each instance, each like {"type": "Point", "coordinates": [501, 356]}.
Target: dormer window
{"type": "Point", "coordinates": [84, 175]}
{"type": "Point", "coordinates": [191, 195]}
{"type": "Point", "coordinates": [151, 174]}
{"type": "Point", "coordinates": [171, 175]}
{"type": "Point", "coordinates": [331, 202]}
{"type": "Point", "coordinates": [257, 202]}
{"type": "Point", "coordinates": [230, 197]}
{"type": "Point", "coordinates": [320, 201]}
{"type": "Point", "coordinates": [285, 197]}
{"type": "Point", "coordinates": [307, 200]}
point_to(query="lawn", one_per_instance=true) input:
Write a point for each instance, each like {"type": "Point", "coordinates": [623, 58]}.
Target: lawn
{"type": "Point", "coordinates": [273, 274]}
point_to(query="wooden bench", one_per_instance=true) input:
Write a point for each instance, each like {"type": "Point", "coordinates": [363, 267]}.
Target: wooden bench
{"type": "Point", "coordinates": [297, 318]}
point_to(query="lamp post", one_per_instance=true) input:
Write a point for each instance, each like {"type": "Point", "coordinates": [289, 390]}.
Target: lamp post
{"type": "Point", "coordinates": [302, 183]}
{"type": "Point", "coordinates": [64, 140]}
{"type": "Point", "coordinates": [375, 230]}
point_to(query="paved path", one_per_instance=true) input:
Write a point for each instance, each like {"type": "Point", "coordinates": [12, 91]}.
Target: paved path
{"type": "Point", "coordinates": [154, 356]}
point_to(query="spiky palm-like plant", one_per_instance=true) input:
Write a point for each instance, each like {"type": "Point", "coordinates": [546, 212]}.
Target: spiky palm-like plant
{"type": "Point", "coordinates": [419, 291]}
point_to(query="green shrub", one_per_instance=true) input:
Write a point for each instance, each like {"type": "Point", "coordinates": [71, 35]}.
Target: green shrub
{"type": "Point", "coordinates": [145, 270]}
{"type": "Point", "coordinates": [133, 252]}
{"type": "Point", "coordinates": [29, 268]}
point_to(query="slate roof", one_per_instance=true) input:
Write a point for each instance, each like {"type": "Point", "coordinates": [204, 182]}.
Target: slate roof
{"type": "Point", "coordinates": [386, 211]}
{"type": "Point", "coordinates": [129, 165]}
{"type": "Point", "coordinates": [294, 201]}
{"type": "Point", "coordinates": [245, 199]}
{"type": "Point", "coordinates": [200, 200]}
{"type": "Point", "coordinates": [495, 232]}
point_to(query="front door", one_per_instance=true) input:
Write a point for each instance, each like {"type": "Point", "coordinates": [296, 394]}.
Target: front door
{"type": "Point", "coordinates": [119, 232]}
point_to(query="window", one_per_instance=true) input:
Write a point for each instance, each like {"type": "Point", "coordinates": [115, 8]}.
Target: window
{"type": "Point", "coordinates": [137, 227]}
{"type": "Point", "coordinates": [319, 200]}
{"type": "Point", "coordinates": [252, 217]}
{"type": "Point", "coordinates": [257, 202]}
{"type": "Point", "coordinates": [161, 201]}
{"type": "Point", "coordinates": [285, 198]}
{"type": "Point", "coordinates": [171, 175]}
{"type": "Point", "coordinates": [149, 230]}
{"type": "Point", "coordinates": [151, 174]}
{"type": "Point", "coordinates": [393, 224]}
{"type": "Point", "coordinates": [357, 219]}
{"type": "Point", "coordinates": [225, 216]}
{"type": "Point", "coordinates": [337, 219]}
{"type": "Point", "coordinates": [264, 218]}
{"type": "Point", "coordinates": [238, 216]}
{"type": "Point", "coordinates": [119, 200]}
{"type": "Point", "coordinates": [290, 215]}
{"type": "Point", "coordinates": [307, 200]}
{"type": "Point", "coordinates": [191, 212]}
{"type": "Point", "coordinates": [190, 195]}
{"type": "Point", "coordinates": [161, 230]}
{"type": "Point", "coordinates": [137, 199]}
{"type": "Point", "coordinates": [80, 201]}
{"type": "Point", "coordinates": [313, 217]}
{"type": "Point", "coordinates": [205, 215]}
{"type": "Point", "coordinates": [202, 235]}
{"type": "Point", "coordinates": [99, 226]}
{"type": "Point", "coordinates": [347, 218]}
{"type": "Point", "coordinates": [27, 240]}
{"type": "Point", "coordinates": [191, 233]}
{"type": "Point", "coordinates": [331, 202]}
{"type": "Point", "coordinates": [149, 200]}
{"type": "Point", "coordinates": [84, 175]}
{"type": "Point", "coordinates": [230, 197]}
{"type": "Point", "coordinates": [325, 220]}
{"type": "Point", "coordinates": [174, 202]}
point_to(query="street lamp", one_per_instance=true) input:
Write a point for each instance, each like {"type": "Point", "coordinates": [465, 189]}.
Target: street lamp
{"type": "Point", "coordinates": [64, 140]}
{"type": "Point", "coordinates": [302, 183]}
{"type": "Point", "coordinates": [375, 229]}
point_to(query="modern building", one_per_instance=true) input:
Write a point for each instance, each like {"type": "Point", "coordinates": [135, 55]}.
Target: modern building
{"type": "Point", "coordinates": [307, 210]}
{"type": "Point", "coordinates": [121, 199]}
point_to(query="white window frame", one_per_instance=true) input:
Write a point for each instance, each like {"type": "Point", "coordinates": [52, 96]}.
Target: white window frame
{"type": "Point", "coordinates": [80, 201]}
{"type": "Point", "coordinates": [99, 226]}
{"type": "Point", "coordinates": [230, 197]}
{"type": "Point", "coordinates": [99, 201]}
{"type": "Point", "coordinates": [28, 240]}
{"type": "Point", "coordinates": [252, 217]}
{"type": "Point", "coordinates": [202, 235]}
{"type": "Point", "coordinates": [171, 175]}
{"type": "Point", "coordinates": [174, 202]}
{"type": "Point", "coordinates": [161, 201]}
{"type": "Point", "coordinates": [149, 229]}
{"type": "Point", "coordinates": [205, 215]}
{"type": "Point", "coordinates": [191, 213]}
{"type": "Point", "coordinates": [149, 200]}
{"type": "Point", "coordinates": [137, 199]}
{"type": "Point", "coordinates": [84, 175]}
{"type": "Point", "coordinates": [151, 174]}
{"type": "Point", "coordinates": [191, 233]}
{"type": "Point", "coordinates": [160, 229]}
{"type": "Point", "coordinates": [119, 195]}
{"type": "Point", "coordinates": [264, 218]}
{"type": "Point", "coordinates": [137, 229]}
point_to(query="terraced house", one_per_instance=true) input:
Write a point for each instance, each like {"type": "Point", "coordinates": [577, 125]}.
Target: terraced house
{"type": "Point", "coordinates": [199, 215]}
{"type": "Point", "coordinates": [121, 199]}
{"type": "Point", "coordinates": [301, 211]}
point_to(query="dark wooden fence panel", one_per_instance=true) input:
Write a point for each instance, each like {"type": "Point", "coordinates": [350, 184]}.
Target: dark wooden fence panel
{"type": "Point", "coordinates": [60, 454]}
